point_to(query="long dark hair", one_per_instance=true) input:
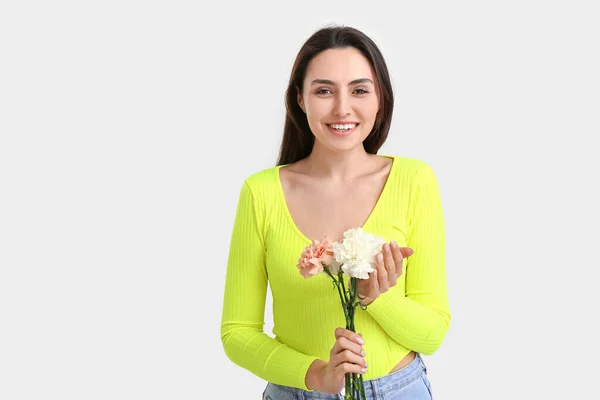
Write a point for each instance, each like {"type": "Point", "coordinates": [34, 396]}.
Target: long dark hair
{"type": "Point", "coordinates": [298, 140]}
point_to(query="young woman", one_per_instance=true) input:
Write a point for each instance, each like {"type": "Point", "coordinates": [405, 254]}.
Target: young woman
{"type": "Point", "coordinates": [329, 178]}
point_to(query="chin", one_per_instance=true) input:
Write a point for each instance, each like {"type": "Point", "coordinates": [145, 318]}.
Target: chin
{"type": "Point", "coordinates": [339, 144]}
{"type": "Point", "coordinates": [343, 147]}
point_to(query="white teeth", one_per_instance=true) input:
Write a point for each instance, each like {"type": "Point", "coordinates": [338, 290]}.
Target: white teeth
{"type": "Point", "coordinates": [343, 127]}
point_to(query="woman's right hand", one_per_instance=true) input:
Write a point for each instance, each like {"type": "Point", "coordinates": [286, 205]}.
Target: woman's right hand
{"type": "Point", "coordinates": [346, 356]}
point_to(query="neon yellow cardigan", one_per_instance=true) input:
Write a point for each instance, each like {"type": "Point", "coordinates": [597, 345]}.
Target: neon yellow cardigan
{"type": "Point", "coordinates": [264, 250]}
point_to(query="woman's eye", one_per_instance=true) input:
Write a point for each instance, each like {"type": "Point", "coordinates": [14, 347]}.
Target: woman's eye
{"type": "Point", "coordinates": [323, 91]}
{"type": "Point", "coordinates": [361, 91]}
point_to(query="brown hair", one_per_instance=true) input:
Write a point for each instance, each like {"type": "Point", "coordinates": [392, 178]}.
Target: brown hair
{"type": "Point", "coordinates": [298, 140]}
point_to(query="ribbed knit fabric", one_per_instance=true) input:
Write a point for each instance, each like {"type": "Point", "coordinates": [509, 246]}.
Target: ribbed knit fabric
{"type": "Point", "coordinates": [265, 248]}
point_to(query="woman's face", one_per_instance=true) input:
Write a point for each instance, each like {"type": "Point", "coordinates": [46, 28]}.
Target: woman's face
{"type": "Point", "coordinates": [339, 98]}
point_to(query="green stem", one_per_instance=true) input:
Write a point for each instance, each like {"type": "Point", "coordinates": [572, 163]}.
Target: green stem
{"type": "Point", "coordinates": [336, 282]}
{"type": "Point", "coordinates": [361, 385]}
{"type": "Point", "coordinates": [341, 279]}
{"type": "Point", "coordinates": [358, 386]}
{"type": "Point", "coordinates": [348, 393]}
{"type": "Point", "coordinates": [355, 389]}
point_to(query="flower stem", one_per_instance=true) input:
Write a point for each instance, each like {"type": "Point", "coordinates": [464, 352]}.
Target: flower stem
{"type": "Point", "coordinates": [355, 389]}
{"type": "Point", "coordinates": [337, 285]}
{"type": "Point", "coordinates": [341, 278]}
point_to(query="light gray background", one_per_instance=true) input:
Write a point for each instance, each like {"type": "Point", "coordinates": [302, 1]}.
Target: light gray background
{"type": "Point", "coordinates": [127, 129]}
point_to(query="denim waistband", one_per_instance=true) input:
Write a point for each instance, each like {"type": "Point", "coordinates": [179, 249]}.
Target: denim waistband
{"type": "Point", "coordinates": [396, 380]}
{"type": "Point", "coordinates": [374, 388]}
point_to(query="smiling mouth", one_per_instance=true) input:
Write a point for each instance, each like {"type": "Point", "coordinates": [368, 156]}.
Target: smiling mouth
{"type": "Point", "coordinates": [342, 127]}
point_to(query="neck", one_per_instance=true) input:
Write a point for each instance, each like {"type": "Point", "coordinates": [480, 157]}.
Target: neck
{"type": "Point", "coordinates": [344, 165]}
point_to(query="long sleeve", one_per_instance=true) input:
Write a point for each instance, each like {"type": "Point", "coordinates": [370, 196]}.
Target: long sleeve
{"type": "Point", "coordinates": [242, 335]}
{"type": "Point", "coordinates": [419, 317]}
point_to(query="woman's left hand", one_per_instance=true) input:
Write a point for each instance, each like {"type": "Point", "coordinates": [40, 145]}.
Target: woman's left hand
{"type": "Point", "coordinates": [388, 264]}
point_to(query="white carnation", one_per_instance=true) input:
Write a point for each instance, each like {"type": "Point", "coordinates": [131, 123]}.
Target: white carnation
{"type": "Point", "coordinates": [356, 253]}
{"type": "Point", "coordinates": [335, 266]}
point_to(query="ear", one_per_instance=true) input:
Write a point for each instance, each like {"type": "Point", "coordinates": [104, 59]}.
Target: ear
{"type": "Point", "coordinates": [300, 99]}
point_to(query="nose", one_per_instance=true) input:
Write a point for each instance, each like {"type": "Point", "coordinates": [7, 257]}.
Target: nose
{"type": "Point", "coordinates": [342, 105]}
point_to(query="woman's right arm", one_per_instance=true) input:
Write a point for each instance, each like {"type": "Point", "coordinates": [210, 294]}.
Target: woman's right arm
{"type": "Point", "coordinates": [242, 335]}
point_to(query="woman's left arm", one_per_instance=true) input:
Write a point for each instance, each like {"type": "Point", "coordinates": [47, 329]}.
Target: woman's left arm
{"type": "Point", "coordinates": [419, 317]}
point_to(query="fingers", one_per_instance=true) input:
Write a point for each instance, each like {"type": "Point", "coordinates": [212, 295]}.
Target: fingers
{"type": "Point", "coordinates": [368, 289]}
{"type": "Point", "coordinates": [347, 353]}
{"type": "Point", "coordinates": [389, 262]}
{"type": "Point", "coordinates": [348, 334]}
{"type": "Point", "coordinates": [373, 287]}
{"type": "Point", "coordinates": [343, 344]}
{"type": "Point", "coordinates": [348, 357]}
{"type": "Point", "coordinates": [381, 272]}
{"type": "Point", "coordinates": [406, 251]}
{"type": "Point", "coordinates": [399, 254]}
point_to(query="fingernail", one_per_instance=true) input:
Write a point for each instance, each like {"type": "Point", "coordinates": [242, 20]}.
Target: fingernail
{"type": "Point", "coordinates": [394, 245]}
{"type": "Point", "coordinates": [386, 247]}
{"type": "Point", "coordinates": [366, 364]}
{"type": "Point", "coordinates": [380, 257]}
{"type": "Point", "coordinates": [360, 340]}
{"type": "Point", "coordinates": [363, 353]}
{"type": "Point", "coordinates": [364, 370]}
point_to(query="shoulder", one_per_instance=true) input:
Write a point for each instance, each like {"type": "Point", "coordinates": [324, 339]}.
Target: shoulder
{"type": "Point", "coordinates": [408, 163]}
{"type": "Point", "coordinates": [413, 172]}
{"type": "Point", "coordinates": [263, 183]}
{"type": "Point", "coordinates": [417, 181]}
{"type": "Point", "coordinates": [407, 166]}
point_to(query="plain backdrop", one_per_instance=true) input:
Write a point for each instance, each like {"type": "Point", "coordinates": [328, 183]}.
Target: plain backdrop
{"type": "Point", "coordinates": [128, 127]}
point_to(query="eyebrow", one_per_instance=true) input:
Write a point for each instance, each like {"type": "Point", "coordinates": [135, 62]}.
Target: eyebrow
{"type": "Point", "coordinates": [330, 82]}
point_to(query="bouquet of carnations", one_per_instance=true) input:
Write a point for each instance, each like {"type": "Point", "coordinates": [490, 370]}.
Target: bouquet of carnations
{"type": "Point", "coordinates": [353, 258]}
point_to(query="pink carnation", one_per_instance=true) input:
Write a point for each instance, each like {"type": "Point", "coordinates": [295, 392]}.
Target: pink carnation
{"type": "Point", "coordinates": [314, 256]}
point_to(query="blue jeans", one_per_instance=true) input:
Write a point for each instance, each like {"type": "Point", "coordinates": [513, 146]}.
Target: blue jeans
{"type": "Point", "coordinates": [409, 382]}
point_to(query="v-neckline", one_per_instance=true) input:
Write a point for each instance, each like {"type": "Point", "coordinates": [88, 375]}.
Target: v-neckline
{"type": "Point", "coordinates": [288, 214]}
